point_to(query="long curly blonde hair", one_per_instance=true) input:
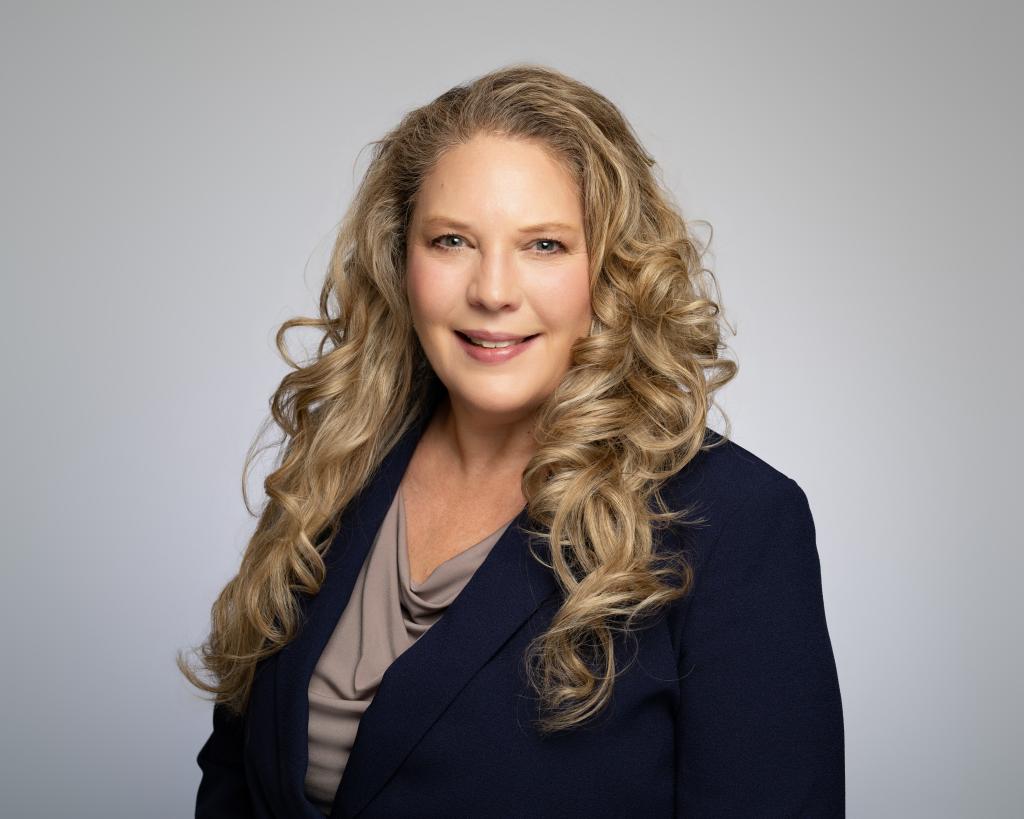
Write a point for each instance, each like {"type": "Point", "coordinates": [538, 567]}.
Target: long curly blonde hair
{"type": "Point", "coordinates": [630, 412]}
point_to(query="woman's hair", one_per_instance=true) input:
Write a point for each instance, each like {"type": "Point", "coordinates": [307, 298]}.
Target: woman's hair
{"type": "Point", "coordinates": [630, 412]}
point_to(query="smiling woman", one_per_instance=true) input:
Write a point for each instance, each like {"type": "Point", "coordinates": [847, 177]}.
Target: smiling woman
{"type": "Point", "coordinates": [504, 567]}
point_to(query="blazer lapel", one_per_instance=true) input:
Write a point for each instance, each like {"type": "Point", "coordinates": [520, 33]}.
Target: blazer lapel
{"type": "Point", "coordinates": [506, 589]}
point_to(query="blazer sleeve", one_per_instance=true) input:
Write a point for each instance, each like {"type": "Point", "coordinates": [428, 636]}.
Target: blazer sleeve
{"type": "Point", "coordinates": [760, 723]}
{"type": "Point", "coordinates": [223, 790]}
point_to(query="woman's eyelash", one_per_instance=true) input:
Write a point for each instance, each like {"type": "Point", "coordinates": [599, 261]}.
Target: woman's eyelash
{"type": "Point", "coordinates": [437, 239]}
{"type": "Point", "coordinates": [434, 242]}
{"type": "Point", "coordinates": [555, 241]}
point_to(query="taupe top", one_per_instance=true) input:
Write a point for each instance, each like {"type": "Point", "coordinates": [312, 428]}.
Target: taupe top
{"type": "Point", "coordinates": [385, 615]}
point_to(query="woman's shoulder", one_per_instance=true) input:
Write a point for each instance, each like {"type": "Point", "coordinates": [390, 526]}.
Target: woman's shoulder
{"type": "Point", "coordinates": [725, 480]}
{"type": "Point", "coordinates": [754, 544]}
{"type": "Point", "coordinates": [724, 468]}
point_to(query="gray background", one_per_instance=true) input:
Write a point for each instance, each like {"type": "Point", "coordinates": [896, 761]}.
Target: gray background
{"type": "Point", "coordinates": [172, 176]}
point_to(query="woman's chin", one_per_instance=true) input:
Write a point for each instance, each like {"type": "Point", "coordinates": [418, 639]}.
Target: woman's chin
{"type": "Point", "coordinates": [490, 401]}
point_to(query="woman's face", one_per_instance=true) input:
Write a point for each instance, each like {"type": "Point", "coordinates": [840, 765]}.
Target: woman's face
{"type": "Point", "coordinates": [496, 245]}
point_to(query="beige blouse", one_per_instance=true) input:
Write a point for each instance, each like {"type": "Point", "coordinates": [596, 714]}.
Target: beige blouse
{"type": "Point", "coordinates": [385, 615]}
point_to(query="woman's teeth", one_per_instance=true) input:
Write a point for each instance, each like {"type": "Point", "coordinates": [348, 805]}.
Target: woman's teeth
{"type": "Point", "coordinates": [481, 343]}
{"type": "Point", "coordinates": [491, 345]}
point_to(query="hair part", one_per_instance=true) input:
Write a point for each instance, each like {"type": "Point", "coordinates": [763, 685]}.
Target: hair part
{"type": "Point", "coordinates": [630, 412]}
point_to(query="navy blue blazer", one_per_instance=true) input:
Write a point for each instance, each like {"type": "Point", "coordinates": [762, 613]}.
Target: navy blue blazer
{"type": "Point", "coordinates": [727, 705]}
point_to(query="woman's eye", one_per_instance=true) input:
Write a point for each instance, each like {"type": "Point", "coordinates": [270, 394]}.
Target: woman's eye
{"type": "Point", "coordinates": [446, 236]}
{"type": "Point", "coordinates": [549, 247]}
{"type": "Point", "coordinates": [550, 242]}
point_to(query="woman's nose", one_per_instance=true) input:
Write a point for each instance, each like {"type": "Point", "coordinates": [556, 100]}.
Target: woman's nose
{"type": "Point", "coordinates": [495, 281]}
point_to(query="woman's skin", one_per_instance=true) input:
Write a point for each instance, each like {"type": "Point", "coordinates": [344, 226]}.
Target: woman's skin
{"type": "Point", "coordinates": [474, 261]}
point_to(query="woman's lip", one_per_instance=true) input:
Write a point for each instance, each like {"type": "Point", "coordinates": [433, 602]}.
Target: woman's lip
{"type": "Point", "coordinates": [494, 355]}
{"type": "Point", "coordinates": [488, 335]}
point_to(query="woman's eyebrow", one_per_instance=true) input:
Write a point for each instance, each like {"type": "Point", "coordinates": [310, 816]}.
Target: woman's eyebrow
{"type": "Point", "coordinates": [541, 226]}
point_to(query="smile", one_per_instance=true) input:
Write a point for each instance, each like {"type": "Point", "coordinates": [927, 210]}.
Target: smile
{"type": "Point", "coordinates": [494, 352]}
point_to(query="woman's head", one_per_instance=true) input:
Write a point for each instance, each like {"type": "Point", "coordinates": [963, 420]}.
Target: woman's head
{"type": "Point", "coordinates": [442, 237]}
{"type": "Point", "coordinates": [512, 149]}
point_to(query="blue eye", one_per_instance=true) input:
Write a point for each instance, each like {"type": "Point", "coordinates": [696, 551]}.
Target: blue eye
{"type": "Point", "coordinates": [435, 241]}
{"type": "Point", "coordinates": [552, 242]}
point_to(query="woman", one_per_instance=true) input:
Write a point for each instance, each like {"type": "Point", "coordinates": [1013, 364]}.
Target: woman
{"type": "Point", "coordinates": [505, 569]}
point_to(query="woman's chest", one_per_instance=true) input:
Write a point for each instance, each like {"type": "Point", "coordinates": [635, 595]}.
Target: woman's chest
{"type": "Point", "coordinates": [485, 757]}
{"type": "Point", "coordinates": [464, 742]}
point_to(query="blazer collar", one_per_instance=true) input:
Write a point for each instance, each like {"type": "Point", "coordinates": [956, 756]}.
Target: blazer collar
{"type": "Point", "coordinates": [504, 591]}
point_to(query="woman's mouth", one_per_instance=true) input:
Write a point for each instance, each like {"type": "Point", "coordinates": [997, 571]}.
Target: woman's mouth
{"type": "Point", "coordinates": [493, 352]}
